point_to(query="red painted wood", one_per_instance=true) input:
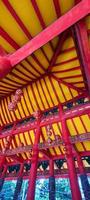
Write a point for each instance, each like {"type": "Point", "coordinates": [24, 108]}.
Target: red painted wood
{"type": "Point", "coordinates": [3, 158]}
{"type": "Point", "coordinates": [34, 162]}
{"type": "Point", "coordinates": [61, 24]}
{"type": "Point", "coordinates": [51, 167]}
{"type": "Point", "coordinates": [57, 7]}
{"type": "Point", "coordinates": [80, 162]}
{"type": "Point", "coordinates": [70, 161]}
{"type": "Point", "coordinates": [74, 112]}
{"type": "Point", "coordinates": [57, 51]}
{"type": "Point", "coordinates": [84, 49]}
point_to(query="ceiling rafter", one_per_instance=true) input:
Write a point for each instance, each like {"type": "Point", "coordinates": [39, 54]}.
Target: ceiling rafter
{"type": "Point", "coordinates": [17, 158]}
{"type": "Point", "coordinates": [57, 7]}
{"type": "Point", "coordinates": [81, 41]}
{"type": "Point", "coordinates": [38, 13]}
{"type": "Point", "coordinates": [18, 20]}
{"type": "Point", "coordinates": [57, 51]}
{"type": "Point", "coordinates": [69, 84]}
{"type": "Point", "coordinates": [75, 14]}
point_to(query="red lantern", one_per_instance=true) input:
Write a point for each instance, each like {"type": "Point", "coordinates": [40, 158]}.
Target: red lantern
{"type": "Point", "coordinates": [48, 128]}
{"type": "Point", "coordinates": [11, 106]}
{"type": "Point", "coordinates": [8, 138]}
{"type": "Point", "coordinates": [49, 140]}
{"type": "Point", "coordinates": [49, 133]}
{"type": "Point", "coordinates": [57, 137]}
{"type": "Point", "coordinates": [17, 98]}
{"type": "Point", "coordinates": [19, 92]}
{"type": "Point", "coordinates": [37, 114]}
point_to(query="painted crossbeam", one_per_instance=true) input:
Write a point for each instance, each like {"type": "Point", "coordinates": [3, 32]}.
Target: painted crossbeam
{"type": "Point", "coordinates": [45, 146]}
{"type": "Point", "coordinates": [74, 112]}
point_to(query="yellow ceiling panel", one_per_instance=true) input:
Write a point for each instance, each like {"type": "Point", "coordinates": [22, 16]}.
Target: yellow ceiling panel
{"type": "Point", "coordinates": [66, 56]}
{"type": "Point", "coordinates": [79, 125]}
{"type": "Point", "coordinates": [46, 11]}
{"type": "Point", "coordinates": [27, 137]}
{"type": "Point", "coordinates": [79, 147]}
{"type": "Point", "coordinates": [15, 32]}
{"type": "Point", "coordinates": [68, 74]}
{"type": "Point", "coordinates": [48, 50]}
{"type": "Point", "coordinates": [26, 97]}
{"type": "Point", "coordinates": [37, 95]}
{"type": "Point", "coordinates": [66, 5]}
{"type": "Point", "coordinates": [66, 91]}
{"type": "Point", "coordinates": [71, 127]}
{"type": "Point", "coordinates": [68, 65]}
{"type": "Point", "coordinates": [87, 145]}
{"type": "Point", "coordinates": [27, 14]}
{"type": "Point", "coordinates": [86, 121]}
{"type": "Point", "coordinates": [87, 20]}
{"type": "Point", "coordinates": [6, 46]}
{"type": "Point", "coordinates": [44, 100]}
{"type": "Point", "coordinates": [58, 91]}
{"type": "Point", "coordinates": [68, 43]}
{"type": "Point", "coordinates": [42, 59]}
{"type": "Point", "coordinates": [51, 91]}
{"type": "Point", "coordinates": [32, 135]}
{"type": "Point", "coordinates": [22, 139]}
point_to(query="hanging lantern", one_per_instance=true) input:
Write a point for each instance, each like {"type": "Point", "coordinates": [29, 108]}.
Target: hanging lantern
{"type": "Point", "coordinates": [19, 92]}
{"type": "Point", "coordinates": [11, 106]}
{"type": "Point", "coordinates": [8, 138]}
{"type": "Point", "coordinates": [57, 137]}
{"type": "Point", "coordinates": [37, 114]}
{"type": "Point", "coordinates": [49, 133]}
{"type": "Point", "coordinates": [17, 98]}
{"type": "Point", "coordinates": [49, 140]}
{"type": "Point", "coordinates": [48, 128]}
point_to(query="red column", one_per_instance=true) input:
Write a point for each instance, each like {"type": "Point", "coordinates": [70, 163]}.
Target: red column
{"type": "Point", "coordinates": [51, 167]}
{"type": "Point", "coordinates": [79, 161]}
{"type": "Point", "coordinates": [51, 181]}
{"type": "Point", "coordinates": [70, 161]}
{"type": "Point", "coordinates": [4, 171]}
{"type": "Point", "coordinates": [83, 49]}
{"type": "Point", "coordinates": [83, 176]}
{"type": "Point", "coordinates": [21, 170]}
{"type": "Point", "coordinates": [3, 157]}
{"type": "Point", "coordinates": [34, 163]}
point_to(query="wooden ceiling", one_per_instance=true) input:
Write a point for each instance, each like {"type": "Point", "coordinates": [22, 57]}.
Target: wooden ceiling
{"type": "Point", "coordinates": [52, 75]}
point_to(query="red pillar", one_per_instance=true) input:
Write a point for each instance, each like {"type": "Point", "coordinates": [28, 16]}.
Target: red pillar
{"type": "Point", "coordinates": [79, 161]}
{"type": "Point", "coordinates": [51, 181]}
{"type": "Point", "coordinates": [82, 43]}
{"type": "Point", "coordinates": [83, 176]}
{"type": "Point", "coordinates": [2, 158]}
{"type": "Point", "coordinates": [70, 161]}
{"type": "Point", "coordinates": [4, 171]}
{"type": "Point", "coordinates": [51, 167]}
{"type": "Point", "coordinates": [34, 163]}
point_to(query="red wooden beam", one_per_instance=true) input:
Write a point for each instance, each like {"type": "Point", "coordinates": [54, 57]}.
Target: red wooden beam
{"type": "Point", "coordinates": [75, 14]}
{"type": "Point", "coordinates": [82, 43]}
{"type": "Point", "coordinates": [74, 112]}
{"type": "Point", "coordinates": [45, 153]}
{"type": "Point", "coordinates": [17, 158]}
{"type": "Point", "coordinates": [57, 51]}
{"type": "Point", "coordinates": [69, 85]}
{"type": "Point", "coordinates": [75, 190]}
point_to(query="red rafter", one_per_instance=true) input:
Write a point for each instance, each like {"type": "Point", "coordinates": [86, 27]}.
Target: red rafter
{"type": "Point", "coordinates": [57, 7]}
{"type": "Point", "coordinates": [57, 51]}
{"type": "Point", "coordinates": [83, 49]}
{"type": "Point", "coordinates": [60, 25]}
{"type": "Point", "coordinates": [69, 84]}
